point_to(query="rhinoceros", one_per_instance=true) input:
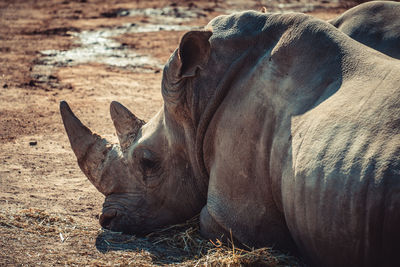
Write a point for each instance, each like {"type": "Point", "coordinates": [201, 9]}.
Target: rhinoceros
{"type": "Point", "coordinates": [277, 128]}
{"type": "Point", "coordinates": [375, 24]}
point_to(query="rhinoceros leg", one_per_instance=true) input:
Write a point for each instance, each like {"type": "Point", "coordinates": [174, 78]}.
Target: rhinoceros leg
{"type": "Point", "coordinates": [210, 228]}
{"type": "Point", "coordinates": [240, 194]}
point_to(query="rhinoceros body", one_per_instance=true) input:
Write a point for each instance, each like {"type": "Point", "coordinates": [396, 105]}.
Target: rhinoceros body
{"type": "Point", "coordinates": [278, 127]}
{"type": "Point", "coordinates": [375, 24]}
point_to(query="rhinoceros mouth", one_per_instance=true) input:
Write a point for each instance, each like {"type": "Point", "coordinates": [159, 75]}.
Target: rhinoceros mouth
{"type": "Point", "coordinates": [125, 213]}
{"type": "Point", "coordinates": [116, 221]}
{"type": "Point", "coordinates": [106, 218]}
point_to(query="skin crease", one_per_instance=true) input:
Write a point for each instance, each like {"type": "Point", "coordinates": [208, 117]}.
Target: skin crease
{"type": "Point", "coordinates": [279, 128]}
{"type": "Point", "coordinates": [375, 24]}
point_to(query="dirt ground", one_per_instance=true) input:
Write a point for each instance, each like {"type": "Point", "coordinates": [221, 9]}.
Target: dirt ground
{"type": "Point", "coordinates": [88, 52]}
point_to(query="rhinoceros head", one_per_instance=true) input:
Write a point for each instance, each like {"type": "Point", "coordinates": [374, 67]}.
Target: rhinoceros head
{"type": "Point", "coordinates": [151, 178]}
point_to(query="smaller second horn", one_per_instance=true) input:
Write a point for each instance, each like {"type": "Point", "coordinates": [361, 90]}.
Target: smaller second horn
{"type": "Point", "coordinates": [126, 123]}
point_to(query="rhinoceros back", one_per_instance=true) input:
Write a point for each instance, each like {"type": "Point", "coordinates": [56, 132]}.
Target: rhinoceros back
{"type": "Point", "coordinates": [342, 198]}
{"type": "Point", "coordinates": [375, 24]}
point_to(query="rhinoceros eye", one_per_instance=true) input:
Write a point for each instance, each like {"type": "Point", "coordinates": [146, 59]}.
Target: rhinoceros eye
{"type": "Point", "coordinates": [148, 163]}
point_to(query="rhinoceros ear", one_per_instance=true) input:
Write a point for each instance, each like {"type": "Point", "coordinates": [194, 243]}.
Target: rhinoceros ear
{"type": "Point", "coordinates": [194, 52]}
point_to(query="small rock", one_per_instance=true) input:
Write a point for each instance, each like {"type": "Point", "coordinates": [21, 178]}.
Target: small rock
{"type": "Point", "coordinates": [5, 85]}
{"type": "Point", "coordinates": [192, 5]}
{"type": "Point", "coordinates": [33, 143]}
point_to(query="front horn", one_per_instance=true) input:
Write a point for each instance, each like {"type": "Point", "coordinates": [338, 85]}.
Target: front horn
{"type": "Point", "coordinates": [126, 124]}
{"type": "Point", "coordinates": [94, 153]}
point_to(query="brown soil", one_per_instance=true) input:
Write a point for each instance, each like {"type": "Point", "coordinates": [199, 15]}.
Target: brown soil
{"type": "Point", "coordinates": [48, 209]}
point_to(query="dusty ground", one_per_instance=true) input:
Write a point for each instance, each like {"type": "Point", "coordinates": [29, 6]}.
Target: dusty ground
{"type": "Point", "coordinates": [88, 52]}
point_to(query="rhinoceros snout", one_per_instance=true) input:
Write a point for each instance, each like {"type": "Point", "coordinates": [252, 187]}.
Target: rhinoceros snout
{"type": "Point", "coordinates": [117, 221]}
{"type": "Point", "coordinates": [106, 219]}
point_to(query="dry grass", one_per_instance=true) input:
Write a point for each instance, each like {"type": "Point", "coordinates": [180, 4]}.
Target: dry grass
{"type": "Point", "coordinates": [36, 221]}
{"type": "Point", "coordinates": [202, 252]}
{"type": "Point", "coordinates": [177, 245]}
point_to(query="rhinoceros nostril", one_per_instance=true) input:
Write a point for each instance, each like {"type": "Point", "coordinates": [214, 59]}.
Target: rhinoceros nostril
{"type": "Point", "coordinates": [107, 217]}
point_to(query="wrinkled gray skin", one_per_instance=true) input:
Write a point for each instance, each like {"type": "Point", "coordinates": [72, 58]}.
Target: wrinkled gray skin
{"type": "Point", "coordinates": [277, 127]}
{"type": "Point", "coordinates": [375, 24]}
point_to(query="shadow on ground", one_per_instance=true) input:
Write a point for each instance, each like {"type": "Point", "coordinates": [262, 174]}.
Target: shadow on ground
{"type": "Point", "coordinates": [174, 244]}
{"type": "Point", "coordinates": [159, 252]}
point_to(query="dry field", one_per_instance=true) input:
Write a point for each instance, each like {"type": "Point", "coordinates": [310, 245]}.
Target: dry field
{"type": "Point", "coordinates": [90, 52]}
